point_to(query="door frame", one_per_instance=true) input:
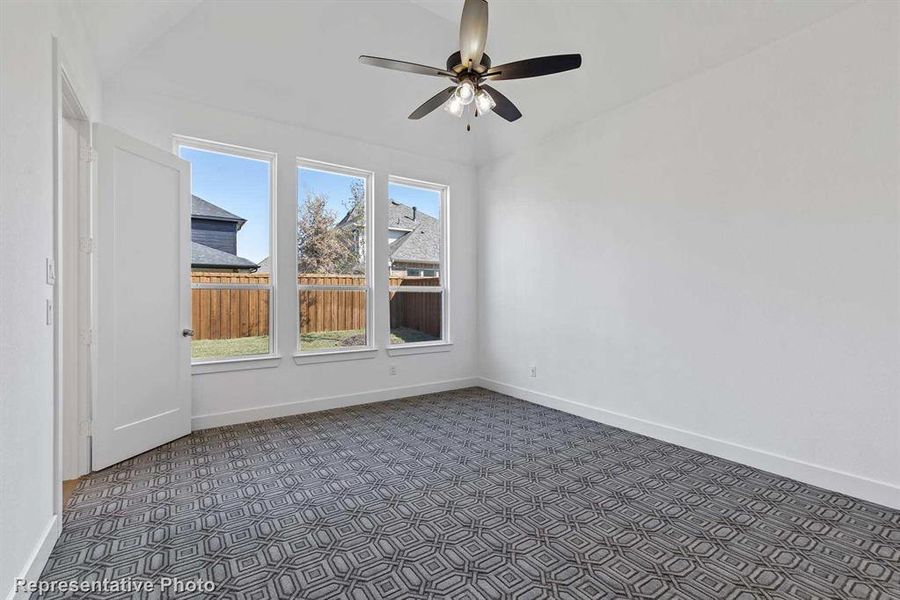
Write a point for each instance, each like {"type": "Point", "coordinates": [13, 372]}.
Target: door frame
{"type": "Point", "coordinates": [68, 103]}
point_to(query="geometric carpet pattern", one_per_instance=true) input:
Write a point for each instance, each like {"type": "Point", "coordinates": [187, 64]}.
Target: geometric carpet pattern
{"type": "Point", "coordinates": [466, 494]}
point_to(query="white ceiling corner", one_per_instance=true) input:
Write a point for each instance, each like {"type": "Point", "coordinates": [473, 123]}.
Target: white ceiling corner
{"type": "Point", "coordinates": [120, 30]}
{"type": "Point", "coordinates": [449, 10]}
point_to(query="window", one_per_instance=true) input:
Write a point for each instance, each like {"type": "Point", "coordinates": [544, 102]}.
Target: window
{"type": "Point", "coordinates": [418, 261]}
{"type": "Point", "coordinates": [232, 266]}
{"type": "Point", "coordinates": [333, 210]}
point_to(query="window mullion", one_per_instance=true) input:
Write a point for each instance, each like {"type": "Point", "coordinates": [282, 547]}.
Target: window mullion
{"type": "Point", "coordinates": [422, 289]}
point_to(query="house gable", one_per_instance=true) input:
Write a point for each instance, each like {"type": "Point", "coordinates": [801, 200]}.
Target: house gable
{"type": "Point", "coordinates": [214, 237]}
{"type": "Point", "coordinates": [221, 235]}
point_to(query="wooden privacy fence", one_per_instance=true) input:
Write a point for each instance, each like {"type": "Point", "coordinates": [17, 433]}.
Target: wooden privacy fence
{"type": "Point", "coordinates": [221, 314]}
{"type": "Point", "coordinates": [416, 310]}
{"type": "Point", "coordinates": [327, 310]}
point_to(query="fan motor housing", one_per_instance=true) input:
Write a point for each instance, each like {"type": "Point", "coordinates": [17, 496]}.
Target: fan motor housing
{"type": "Point", "coordinates": [454, 63]}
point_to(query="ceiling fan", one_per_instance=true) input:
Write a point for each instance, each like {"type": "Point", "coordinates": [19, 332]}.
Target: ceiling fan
{"type": "Point", "coordinates": [470, 70]}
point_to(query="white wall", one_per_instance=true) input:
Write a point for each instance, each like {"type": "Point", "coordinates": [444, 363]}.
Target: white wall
{"type": "Point", "coordinates": [717, 264]}
{"type": "Point", "coordinates": [26, 209]}
{"type": "Point", "coordinates": [290, 388]}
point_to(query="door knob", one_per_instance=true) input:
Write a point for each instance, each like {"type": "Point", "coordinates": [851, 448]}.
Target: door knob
{"type": "Point", "coordinates": [187, 332]}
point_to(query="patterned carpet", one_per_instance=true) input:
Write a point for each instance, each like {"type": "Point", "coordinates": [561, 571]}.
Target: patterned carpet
{"type": "Point", "coordinates": [466, 494]}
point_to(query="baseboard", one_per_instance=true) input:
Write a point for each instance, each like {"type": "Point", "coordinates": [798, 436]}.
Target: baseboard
{"type": "Point", "coordinates": [872, 490]}
{"type": "Point", "coordinates": [259, 413]}
{"type": "Point", "coordinates": [37, 560]}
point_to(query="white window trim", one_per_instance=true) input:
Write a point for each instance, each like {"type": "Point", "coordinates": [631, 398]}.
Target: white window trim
{"type": "Point", "coordinates": [256, 361]}
{"type": "Point", "coordinates": [445, 344]}
{"type": "Point", "coordinates": [238, 363]}
{"type": "Point", "coordinates": [419, 348]}
{"type": "Point", "coordinates": [355, 352]}
{"type": "Point", "coordinates": [307, 357]}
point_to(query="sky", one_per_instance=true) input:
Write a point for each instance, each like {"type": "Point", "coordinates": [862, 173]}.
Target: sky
{"type": "Point", "coordinates": [337, 189]}
{"type": "Point", "coordinates": [241, 186]}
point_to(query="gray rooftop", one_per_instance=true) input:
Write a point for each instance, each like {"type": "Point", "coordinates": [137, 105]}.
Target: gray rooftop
{"type": "Point", "coordinates": [422, 243]}
{"type": "Point", "coordinates": [204, 256]}
{"type": "Point", "coordinates": [204, 209]}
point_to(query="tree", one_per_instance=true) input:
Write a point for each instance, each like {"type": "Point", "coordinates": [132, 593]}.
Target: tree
{"type": "Point", "coordinates": [353, 227]}
{"type": "Point", "coordinates": [320, 246]}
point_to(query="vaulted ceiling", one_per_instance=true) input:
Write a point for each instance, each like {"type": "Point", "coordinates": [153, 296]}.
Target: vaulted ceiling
{"type": "Point", "coordinates": [295, 62]}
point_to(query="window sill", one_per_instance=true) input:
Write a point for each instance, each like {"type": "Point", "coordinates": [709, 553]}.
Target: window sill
{"type": "Point", "coordinates": [324, 356]}
{"type": "Point", "coordinates": [419, 348]}
{"type": "Point", "coordinates": [266, 361]}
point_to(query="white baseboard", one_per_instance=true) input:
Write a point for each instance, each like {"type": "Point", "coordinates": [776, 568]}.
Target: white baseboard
{"type": "Point", "coordinates": [872, 490]}
{"type": "Point", "coordinates": [259, 413]}
{"type": "Point", "coordinates": [37, 560]}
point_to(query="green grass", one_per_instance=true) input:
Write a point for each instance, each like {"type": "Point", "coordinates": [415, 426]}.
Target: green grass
{"type": "Point", "coordinates": [320, 340]}
{"type": "Point", "coordinates": [405, 335]}
{"type": "Point", "coordinates": [201, 349]}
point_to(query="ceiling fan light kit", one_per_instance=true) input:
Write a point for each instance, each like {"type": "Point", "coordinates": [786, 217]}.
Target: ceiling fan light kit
{"type": "Point", "coordinates": [470, 70]}
{"type": "Point", "coordinates": [483, 102]}
{"type": "Point", "coordinates": [465, 91]}
{"type": "Point", "coordinates": [454, 106]}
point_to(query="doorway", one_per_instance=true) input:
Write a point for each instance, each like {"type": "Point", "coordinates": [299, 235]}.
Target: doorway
{"type": "Point", "coordinates": [70, 271]}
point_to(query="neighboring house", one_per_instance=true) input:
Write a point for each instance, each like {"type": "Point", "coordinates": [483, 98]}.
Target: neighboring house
{"type": "Point", "coordinates": [214, 238]}
{"type": "Point", "coordinates": [414, 240]}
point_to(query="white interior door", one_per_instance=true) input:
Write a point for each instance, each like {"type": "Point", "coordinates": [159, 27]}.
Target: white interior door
{"type": "Point", "coordinates": [142, 295]}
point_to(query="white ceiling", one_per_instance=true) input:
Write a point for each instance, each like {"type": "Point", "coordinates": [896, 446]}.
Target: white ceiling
{"type": "Point", "coordinates": [120, 29]}
{"type": "Point", "coordinates": [295, 62]}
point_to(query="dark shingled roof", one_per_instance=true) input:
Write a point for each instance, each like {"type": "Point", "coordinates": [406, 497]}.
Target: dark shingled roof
{"type": "Point", "coordinates": [203, 209]}
{"type": "Point", "coordinates": [204, 256]}
{"type": "Point", "coordinates": [422, 243]}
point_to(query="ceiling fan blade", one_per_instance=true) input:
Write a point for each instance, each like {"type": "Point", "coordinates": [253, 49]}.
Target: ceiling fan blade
{"type": "Point", "coordinates": [432, 103]}
{"type": "Point", "coordinates": [535, 67]}
{"type": "Point", "coordinates": [473, 28]}
{"type": "Point", "coordinates": [504, 107]}
{"type": "Point", "coordinates": [402, 65]}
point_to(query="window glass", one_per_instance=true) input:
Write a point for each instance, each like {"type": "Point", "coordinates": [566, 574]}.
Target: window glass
{"type": "Point", "coordinates": [416, 251]}
{"type": "Point", "coordinates": [332, 285]}
{"type": "Point", "coordinates": [231, 279]}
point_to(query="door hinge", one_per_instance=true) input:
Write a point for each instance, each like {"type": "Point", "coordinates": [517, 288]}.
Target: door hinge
{"type": "Point", "coordinates": [87, 428]}
{"type": "Point", "coordinates": [87, 245]}
{"type": "Point", "coordinates": [87, 336]}
{"type": "Point", "coordinates": [88, 154]}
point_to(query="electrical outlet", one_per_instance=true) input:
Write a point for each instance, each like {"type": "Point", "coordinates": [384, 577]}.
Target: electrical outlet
{"type": "Point", "coordinates": [392, 370]}
{"type": "Point", "coordinates": [533, 371]}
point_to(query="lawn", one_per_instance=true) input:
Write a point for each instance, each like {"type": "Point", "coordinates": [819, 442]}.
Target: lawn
{"type": "Point", "coordinates": [201, 349]}
{"type": "Point", "coordinates": [333, 339]}
{"type": "Point", "coordinates": [320, 340]}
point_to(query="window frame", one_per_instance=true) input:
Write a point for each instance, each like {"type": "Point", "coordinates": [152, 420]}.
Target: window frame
{"type": "Point", "coordinates": [247, 361]}
{"type": "Point", "coordinates": [445, 343]}
{"type": "Point", "coordinates": [340, 353]}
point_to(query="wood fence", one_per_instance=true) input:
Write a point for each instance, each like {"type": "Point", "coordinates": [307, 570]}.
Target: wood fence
{"type": "Point", "coordinates": [326, 310]}
{"type": "Point", "coordinates": [221, 314]}
{"type": "Point", "coordinates": [416, 310]}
